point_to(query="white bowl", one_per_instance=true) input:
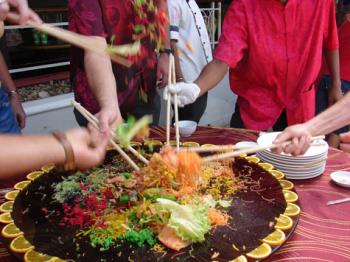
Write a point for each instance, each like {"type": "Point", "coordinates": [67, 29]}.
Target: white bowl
{"type": "Point", "coordinates": [187, 127]}
{"type": "Point", "coordinates": [342, 178]}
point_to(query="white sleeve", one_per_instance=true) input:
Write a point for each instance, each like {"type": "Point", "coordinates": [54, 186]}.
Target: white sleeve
{"type": "Point", "coordinates": [174, 7]}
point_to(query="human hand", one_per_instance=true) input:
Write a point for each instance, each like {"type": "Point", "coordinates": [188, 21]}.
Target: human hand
{"type": "Point", "coordinates": [345, 142]}
{"type": "Point", "coordinates": [187, 93]}
{"type": "Point", "coordinates": [4, 9]}
{"type": "Point", "coordinates": [335, 93]}
{"type": "Point", "coordinates": [299, 137]}
{"type": "Point", "coordinates": [24, 12]}
{"type": "Point", "coordinates": [108, 118]}
{"type": "Point", "coordinates": [89, 146]}
{"type": "Point", "coordinates": [163, 69]}
{"type": "Point", "coordinates": [18, 111]}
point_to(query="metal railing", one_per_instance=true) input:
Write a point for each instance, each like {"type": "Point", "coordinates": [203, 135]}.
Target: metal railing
{"type": "Point", "coordinates": [212, 19]}
{"type": "Point", "coordinates": [211, 15]}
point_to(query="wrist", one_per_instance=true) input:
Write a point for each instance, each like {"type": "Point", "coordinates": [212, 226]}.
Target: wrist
{"type": "Point", "coordinates": [336, 83]}
{"type": "Point", "coordinates": [12, 93]}
{"type": "Point", "coordinates": [166, 51]}
{"type": "Point", "coordinates": [68, 162]}
{"type": "Point", "coordinates": [311, 127]}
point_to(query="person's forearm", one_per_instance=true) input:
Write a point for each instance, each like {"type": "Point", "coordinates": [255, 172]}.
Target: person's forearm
{"type": "Point", "coordinates": [21, 154]}
{"type": "Point", "coordinates": [5, 77]}
{"type": "Point", "coordinates": [101, 78]}
{"type": "Point", "coordinates": [162, 5]}
{"type": "Point", "coordinates": [211, 75]}
{"type": "Point", "coordinates": [179, 75]}
{"type": "Point", "coordinates": [332, 119]}
{"type": "Point", "coordinates": [332, 58]}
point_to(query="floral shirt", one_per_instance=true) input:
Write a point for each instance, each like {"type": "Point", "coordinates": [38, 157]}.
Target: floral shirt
{"type": "Point", "coordinates": [107, 18]}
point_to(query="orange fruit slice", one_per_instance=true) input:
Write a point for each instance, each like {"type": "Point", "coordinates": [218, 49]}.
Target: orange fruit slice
{"type": "Point", "coordinates": [153, 142]}
{"type": "Point", "coordinates": [34, 175]}
{"type": "Point", "coordinates": [56, 259]}
{"type": "Point", "coordinates": [290, 196]}
{"type": "Point", "coordinates": [207, 145]}
{"type": "Point", "coordinates": [261, 252]}
{"type": "Point", "coordinates": [11, 231]}
{"type": "Point", "coordinates": [33, 256]}
{"type": "Point", "coordinates": [21, 185]}
{"type": "Point", "coordinates": [284, 222]}
{"type": "Point", "coordinates": [12, 195]}
{"type": "Point", "coordinates": [191, 144]}
{"type": "Point", "coordinates": [276, 238]}
{"type": "Point", "coordinates": [6, 207]}
{"type": "Point", "coordinates": [277, 174]}
{"type": "Point", "coordinates": [266, 166]}
{"type": "Point", "coordinates": [240, 259]}
{"type": "Point", "coordinates": [253, 159]}
{"type": "Point", "coordinates": [292, 210]}
{"type": "Point", "coordinates": [287, 185]}
{"type": "Point", "coordinates": [6, 218]}
{"type": "Point", "coordinates": [244, 155]}
{"type": "Point", "coordinates": [47, 168]}
{"type": "Point", "coordinates": [20, 245]}
{"type": "Point", "coordinates": [173, 143]}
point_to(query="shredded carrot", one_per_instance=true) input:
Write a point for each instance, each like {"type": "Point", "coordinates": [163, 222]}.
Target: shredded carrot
{"type": "Point", "coordinates": [217, 218]}
{"type": "Point", "coordinates": [189, 169]}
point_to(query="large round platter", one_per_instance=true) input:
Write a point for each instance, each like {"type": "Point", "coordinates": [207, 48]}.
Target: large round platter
{"type": "Point", "coordinates": [256, 212]}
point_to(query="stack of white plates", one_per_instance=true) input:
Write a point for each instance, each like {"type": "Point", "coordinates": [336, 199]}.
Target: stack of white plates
{"type": "Point", "coordinates": [309, 165]}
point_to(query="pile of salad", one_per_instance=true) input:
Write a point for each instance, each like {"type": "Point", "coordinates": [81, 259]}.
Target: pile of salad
{"type": "Point", "coordinates": [172, 202]}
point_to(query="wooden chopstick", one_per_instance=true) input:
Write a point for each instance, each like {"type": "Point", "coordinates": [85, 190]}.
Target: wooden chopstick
{"type": "Point", "coordinates": [208, 149]}
{"type": "Point", "coordinates": [172, 81]}
{"type": "Point", "coordinates": [115, 145]}
{"type": "Point", "coordinates": [168, 107]}
{"type": "Point", "coordinates": [93, 118]}
{"type": "Point", "coordinates": [82, 41]}
{"type": "Point", "coordinates": [176, 104]}
{"type": "Point", "coordinates": [250, 150]}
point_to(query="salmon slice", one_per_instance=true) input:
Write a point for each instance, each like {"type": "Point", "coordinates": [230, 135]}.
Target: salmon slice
{"type": "Point", "coordinates": [169, 239]}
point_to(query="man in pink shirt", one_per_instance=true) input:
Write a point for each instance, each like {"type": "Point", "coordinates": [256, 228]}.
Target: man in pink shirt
{"type": "Point", "coordinates": [274, 52]}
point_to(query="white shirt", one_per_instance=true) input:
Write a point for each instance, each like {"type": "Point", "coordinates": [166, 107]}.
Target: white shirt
{"type": "Point", "coordinates": [188, 28]}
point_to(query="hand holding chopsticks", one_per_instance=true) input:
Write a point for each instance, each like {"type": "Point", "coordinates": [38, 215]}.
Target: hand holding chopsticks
{"type": "Point", "coordinates": [250, 150]}
{"type": "Point", "coordinates": [94, 121]}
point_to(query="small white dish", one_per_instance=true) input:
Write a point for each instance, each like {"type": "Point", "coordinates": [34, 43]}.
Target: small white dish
{"type": "Point", "coordinates": [342, 178]}
{"type": "Point", "coordinates": [187, 127]}
{"type": "Point", "coordinates": [245, 144]}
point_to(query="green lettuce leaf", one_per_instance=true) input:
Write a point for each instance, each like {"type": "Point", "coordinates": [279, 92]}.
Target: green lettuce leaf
{"type": "Point", "coordinates": [189, 223]}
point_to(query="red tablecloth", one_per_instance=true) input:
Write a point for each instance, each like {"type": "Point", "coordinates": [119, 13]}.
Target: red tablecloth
{"type": "Point", "coordinates": [323, 232]}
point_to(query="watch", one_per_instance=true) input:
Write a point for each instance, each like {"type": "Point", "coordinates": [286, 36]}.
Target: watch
{"type": "Point", "coordinates": [12, 93]}
{"type": "Point", "coordinates": [165, 51]}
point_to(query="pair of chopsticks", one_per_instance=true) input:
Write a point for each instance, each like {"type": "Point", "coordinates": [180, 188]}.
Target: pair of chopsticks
{"type": "Point", "coordinates": [94, 121]}
{"type": "Point", "coordinates": [250, 150]}
{"type": "Point", "coordinates": [85, 42]}
{"type": "Point", "coordinates": [172, 81]}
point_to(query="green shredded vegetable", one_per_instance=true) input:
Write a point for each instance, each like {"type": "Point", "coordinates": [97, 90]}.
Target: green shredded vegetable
{"type": "Point", "coordinates": [140, 238]}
